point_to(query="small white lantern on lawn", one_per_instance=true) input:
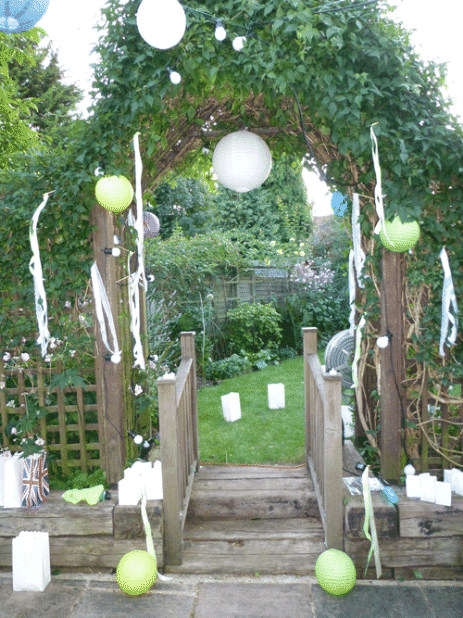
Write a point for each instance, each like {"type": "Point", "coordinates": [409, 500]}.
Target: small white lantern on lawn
{"type": "Point", "coordinates": [161, 23]}
{"type": "Point", "coordinates": [276, 396]}
{"type": "Point", "coordinates": [242, 161]}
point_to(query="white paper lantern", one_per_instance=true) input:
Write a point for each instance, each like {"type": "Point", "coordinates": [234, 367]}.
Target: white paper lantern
{"type": "Point", "coordinates": [161, 23]}
{"type": "Point", "coordinates": [242, 161]}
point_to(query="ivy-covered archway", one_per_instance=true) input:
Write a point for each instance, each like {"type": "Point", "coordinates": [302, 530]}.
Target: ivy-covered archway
{"type": "Point", "coordinates": [311, 79]}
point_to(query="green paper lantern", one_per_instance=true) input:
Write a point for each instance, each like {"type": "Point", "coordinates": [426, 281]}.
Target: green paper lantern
{"type": "Point", "coordinates": [136, 572]}
{"type": "Point", "coordinates": [335, 572]}
{"type": "Point", "coordinates": [114, 193]}
{"type": "Point", "coordinates": [402, 236]}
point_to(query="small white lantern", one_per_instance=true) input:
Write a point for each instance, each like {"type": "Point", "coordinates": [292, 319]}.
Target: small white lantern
{"type": "Point", "coordinates": [242, 161]}
{"type": "Point", "coordinates": [276, 396]}
{"type": "Point", "coordinates": [161, 23]}
{"type": "Point", "coordinates": [231, 407]}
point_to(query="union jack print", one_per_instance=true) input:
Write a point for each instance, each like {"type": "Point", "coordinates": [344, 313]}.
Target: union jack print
{"type": "Point", "coordinates": [35, 481]}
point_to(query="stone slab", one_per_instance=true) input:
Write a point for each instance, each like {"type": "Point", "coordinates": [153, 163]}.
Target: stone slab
{"type": "Point", "coordinates": [381, 601]}
{"type": "Point", "coordinates": [253, 601]}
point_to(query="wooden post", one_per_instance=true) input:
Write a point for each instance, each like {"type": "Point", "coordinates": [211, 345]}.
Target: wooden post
{"type": "Point", "coordinates": [187, 345]}
{"type": "Point", "coordinates": [392, 365]}
{"type": "Point", "coordinates": [309, 342]}
{"type": "Point", "coordinates": [109, 376]}
{"type": "Point", "coordinates": [332, 469]}
{"type": "Point", "coordinates": [172, 502]}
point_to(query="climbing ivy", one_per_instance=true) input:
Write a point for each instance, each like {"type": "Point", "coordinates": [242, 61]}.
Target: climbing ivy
{"type": "Point", "coordinates": [342, 68]}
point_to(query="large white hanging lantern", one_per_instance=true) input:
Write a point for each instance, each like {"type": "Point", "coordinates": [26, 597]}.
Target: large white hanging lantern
{"type": "Point", "coordinates": [242, 161]}
{"type": "Point", "coordinates": [161, 23]}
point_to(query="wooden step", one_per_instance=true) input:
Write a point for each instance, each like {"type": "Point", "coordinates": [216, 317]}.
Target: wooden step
{"type": "Point", "coordinates": [247, 547]}
{"type": "Point", "coordinates": [245, 492]}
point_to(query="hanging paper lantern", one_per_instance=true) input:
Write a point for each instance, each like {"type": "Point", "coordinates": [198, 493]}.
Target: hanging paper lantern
{"type": "Point", "coordinates": [335, 572]}
{"type": "Point", "coordinates": [136, 572]}
{"type": "Point", "coordinates": [242, 161]}
{"type": "Point", "coordinates": [339, 203]}
{"type": "Point", "coordinates": [21, 15]}
{"type": "Point", "coordinates": [161, 23]}
{"type": "Point", "coordinates": [114, 193]}
{"type": "Point", "coordinates": [151, 225]}
{"type": "Point", "coordinates": [400, 236]}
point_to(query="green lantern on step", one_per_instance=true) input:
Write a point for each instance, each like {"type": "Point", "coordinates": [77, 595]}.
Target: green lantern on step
{"type": "Point", "coordinates": [136, 572]}
{"type": "Point", "coordinates": [335, 572]}
{"type": "Point", "coordinates": [114, 193]}
{"type": "Point", "coordinates": [399, 236]}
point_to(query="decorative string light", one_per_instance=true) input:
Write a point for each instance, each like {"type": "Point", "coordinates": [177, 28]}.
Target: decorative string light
{"type": "Point", "coordinates": [175, 77]}
{"type": "Point", "coordinates": [220, 32]}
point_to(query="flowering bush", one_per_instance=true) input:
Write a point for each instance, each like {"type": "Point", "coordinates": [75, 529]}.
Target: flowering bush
{"type": "Point", "coordinates": [23, 430]}
{"type": "Point", "coordinates": [312, 278]}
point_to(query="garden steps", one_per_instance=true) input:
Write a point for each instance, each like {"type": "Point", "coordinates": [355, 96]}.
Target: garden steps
{"type": "Point", "coordinates": [249, 519]}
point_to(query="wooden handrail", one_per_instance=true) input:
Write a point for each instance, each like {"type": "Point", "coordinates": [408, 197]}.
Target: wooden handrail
{"type": "Point", "coordinates": [178, 425]}
{"type": "Point", "coordinates": [323, 442]}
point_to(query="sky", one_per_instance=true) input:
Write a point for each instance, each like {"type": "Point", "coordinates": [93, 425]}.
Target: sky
{"type": "Point", "coordinates": [435, 28]}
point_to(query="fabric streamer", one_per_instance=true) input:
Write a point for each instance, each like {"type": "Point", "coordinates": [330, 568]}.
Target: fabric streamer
{"type": "Point", "coordinates": [103, 307]}
{"type": "Point", "coordinates": [357, 258]}
{"type": "Point", "coordinates": [35, 267]}
{"type": "Point", "coordinates": [149, 537]}
{"type": "Point", "coordinates": [370, 524]}
{"type": "Point", "coordinates": [448, 297]}
{"type": "Point", "coordinates": [137, 278]}
{"type": "Point", "coordinates": [378, 188]}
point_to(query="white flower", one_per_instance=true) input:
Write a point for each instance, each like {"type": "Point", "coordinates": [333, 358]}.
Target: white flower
{"type": "Point", "coordinates": [40, 441]}
{"type": "Point", "coordinates": [67, 304]}
{"type": "Point", "coordinates": [48, 358]}
{"type": "Point", "coordinates": [72, 353]}
{"type": "Point", "coordinates": [2, 385]}
{"type": "Point", "coordinates": [210, 296]}
{"type": "Point", "coordinates": [25, 356]}
{"type": "Point", "coordinates": [272, 243]}
{"type": "Point", "coordinates": [82, 318]}
{"type": "Point", "coordinates": [13, 430]}
{"type": "Point", "coordinates": [10, 404]}
{"type": "Point", "coordinates": [146, 444]}
{"type": "Point", "coordinates": [138, 390]}
{"type": "Point", "coordinates": [280, 251]}
{"type": "Point", "coordinates": [302, 253]}
{"type": "Point", "coordinates": [6, 357]}
{"type": "Point", "coordinates": [152, 364]}
{"type": "Point", "coordinates": [23, 340]}
{"type": "Point", "coordinates": [138, 439]}
{"type": "Point", "coordinates": [53, 343]}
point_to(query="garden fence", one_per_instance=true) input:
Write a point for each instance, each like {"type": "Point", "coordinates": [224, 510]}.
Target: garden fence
{"type": "Point", "coordinates": [323, 439]}
{"type": "Point", "coordinates": [71, 428]}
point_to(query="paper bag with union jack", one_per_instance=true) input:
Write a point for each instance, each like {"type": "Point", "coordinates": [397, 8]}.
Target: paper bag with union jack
{"type": "Point", "coordinates": [35, 487]}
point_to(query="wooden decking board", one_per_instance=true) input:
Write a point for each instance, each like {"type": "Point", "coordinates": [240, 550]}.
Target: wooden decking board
{"type": "Point", "coordinates": [240, 484]}
{"type": "Point", "coordinates": [270, 529]}
{"type": "Point", "coordinates": [230, 472]}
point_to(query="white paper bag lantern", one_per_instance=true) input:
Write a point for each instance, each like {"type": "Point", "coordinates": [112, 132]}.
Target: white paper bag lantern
{"type": "Point", "coordinates": [12, 487]}
{"type": "Point", "coordinates": [443, 494]}
{"type": "Point", "coordinates": [413, 484]}
{"type": "Point", "coordinates": [276, 396]}
{"type": "Point", "coordinates": [129, 489]}
{"type": "Point", "coordinates": [161, 23]}
{"type": "Point", "coordinates": [154, 482]}
{"type": "Point", "coordinates": [242, 161]}
{"type": "Point", "coordinates": [231, 407]}
{"type": "Point", "coordinates": [31, 561]}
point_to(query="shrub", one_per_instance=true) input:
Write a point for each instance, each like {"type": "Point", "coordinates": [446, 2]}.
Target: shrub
{"type": "Point", "coordinates": [253, 326]}
{"type": "Point", "coordinates": [228, 367]}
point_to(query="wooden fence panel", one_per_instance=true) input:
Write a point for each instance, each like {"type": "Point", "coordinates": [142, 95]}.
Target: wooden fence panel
{"type": "Point", "coordinates": [54, 428]}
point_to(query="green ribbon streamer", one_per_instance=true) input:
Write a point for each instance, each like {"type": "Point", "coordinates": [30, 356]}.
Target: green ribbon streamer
{"type": "Point", "coordinates": [370, 524]}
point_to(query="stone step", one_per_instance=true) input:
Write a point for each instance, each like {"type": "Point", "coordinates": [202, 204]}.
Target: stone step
{"type": "Point", "coordinates": [250, 547]}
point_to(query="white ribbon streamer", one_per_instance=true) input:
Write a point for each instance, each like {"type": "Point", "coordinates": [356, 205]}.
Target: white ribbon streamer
{"type": "Point", "coordinates": [149, 537]}
{"type": "Point", "coordinates": [448, 297]}
{"type": "Point", "coordinates": [378, 188]}
{"type": "Point", "coordinates": [370, 523]}
{"type": "Point", "coordinates": [35, 267]}
{"type": "Point", "coordinates": [359, 254]}
{"type": "Point", "coordinates": [137, 278]}
{"type": "Point", "coordinates": [102, 308]}
{"type": "Point", "coordinates": [352, 292]}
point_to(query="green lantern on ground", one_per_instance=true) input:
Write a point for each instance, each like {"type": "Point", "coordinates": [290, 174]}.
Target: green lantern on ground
{"type": "Point", "coordinates": [114, 193]}
{"type": "Point", "coordinates": [136, 572]}
{"type": "Point", "coordinates": [399, 236]}
{"type": "Point", "coordinates": [335, 572]}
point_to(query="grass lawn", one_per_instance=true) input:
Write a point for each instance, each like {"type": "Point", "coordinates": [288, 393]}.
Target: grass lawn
{"type": "Point", "coordinates": [261, 435]}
